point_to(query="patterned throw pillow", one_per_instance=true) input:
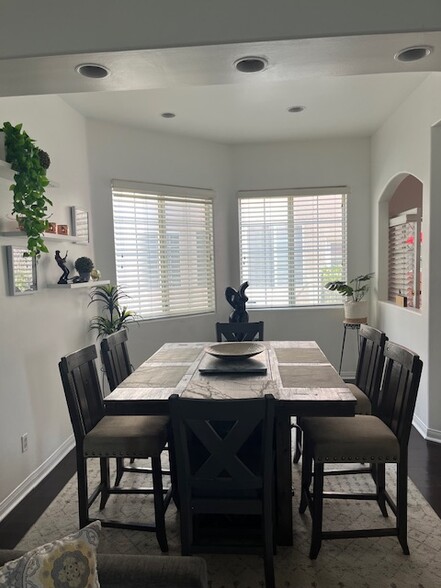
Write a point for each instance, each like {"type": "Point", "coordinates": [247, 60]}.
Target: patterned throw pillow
{"type": "Point", "coordinates": [66, 563]}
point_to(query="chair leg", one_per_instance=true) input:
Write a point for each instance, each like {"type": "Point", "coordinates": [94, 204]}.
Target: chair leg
{"type": "Point", "coordinates": [105, 481]}
{"type": "Point", "coordinates": [306, 478]}
{"type": "Point", "coordinates": [119, 470]}
{"type": "Point", "coordinates": [317, 511]}
{"type": "Point", "coordinates": [402, 504]}
{"type": "Point", "coordinates": [268, 544]}
{"type": "Point", "coordinates": [83, 500]}
{"type": "Point", "coordinates": [298, 444]}
{"type": "Point", "coordinates": [380, 482]}
{"type": "Point", "coordinates": [159, 504]}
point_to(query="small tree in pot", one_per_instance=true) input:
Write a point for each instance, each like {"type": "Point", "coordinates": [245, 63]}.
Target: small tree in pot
{"type": "Point", "coordinates": [115, 317]}
{"type": "Point", "coordinates": [355, 306]}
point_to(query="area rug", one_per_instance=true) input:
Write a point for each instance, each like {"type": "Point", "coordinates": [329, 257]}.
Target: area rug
{"type": "Point", "coordinates": [343, 563]}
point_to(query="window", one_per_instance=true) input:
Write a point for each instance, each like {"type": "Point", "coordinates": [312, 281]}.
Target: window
{"type": "Point", "coordinates": [405, 258]}
{"type": "Point", "coordinates": [291, 243]}
{"type": "Point", "coordinates": [164, 248]}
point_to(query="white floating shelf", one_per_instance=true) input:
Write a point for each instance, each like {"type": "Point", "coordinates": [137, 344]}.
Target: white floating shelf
{"type": "Point", "coordinates": [6, 173]}
{"type": "Point", "coordinates": [46, 236]}
{"type": "Point", "coordinates": [90, 284]}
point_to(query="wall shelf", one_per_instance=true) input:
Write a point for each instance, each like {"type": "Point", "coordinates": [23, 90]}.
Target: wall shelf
{"type": "Point", "coordinates": [90, 284]}
{"type": "Point", "coordinates": [46, 236]}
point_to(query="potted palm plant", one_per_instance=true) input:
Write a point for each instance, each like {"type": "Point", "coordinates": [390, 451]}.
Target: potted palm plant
{"type": "Point", "coordinates": [354, 292]}
{"type": "Point", "coordinates": [115, 316]}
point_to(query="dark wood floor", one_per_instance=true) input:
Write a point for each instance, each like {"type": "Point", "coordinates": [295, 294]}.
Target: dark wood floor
{"type": "Point", "coordinates": [424, 471]}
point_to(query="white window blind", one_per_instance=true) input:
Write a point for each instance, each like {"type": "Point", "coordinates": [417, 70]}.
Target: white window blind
{"type": "Point", "coordinates": [164, 249]}
{"type": "Point", "coordinates": [291, 244]}
{"type": "Point", "coordinates": [405, 258]}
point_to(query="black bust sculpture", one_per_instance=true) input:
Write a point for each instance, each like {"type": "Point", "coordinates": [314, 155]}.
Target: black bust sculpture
{"type": "Point", "coordinates": [238, 300]}
{"type": "Point", "coordinates": [62, 263]}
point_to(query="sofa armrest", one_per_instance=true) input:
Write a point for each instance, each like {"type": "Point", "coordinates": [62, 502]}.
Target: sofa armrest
{"type": "Point", "coordinates": [142, 571]}
{"type": "Point", "coordinates": [154, 571]}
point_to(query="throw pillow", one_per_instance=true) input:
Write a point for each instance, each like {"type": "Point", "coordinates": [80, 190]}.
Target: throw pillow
{"type": "Point", "coordinates": [65, 563]}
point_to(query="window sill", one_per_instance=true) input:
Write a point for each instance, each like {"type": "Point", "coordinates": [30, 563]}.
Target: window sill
{"type": "Point", "coordinates": [416, 311]}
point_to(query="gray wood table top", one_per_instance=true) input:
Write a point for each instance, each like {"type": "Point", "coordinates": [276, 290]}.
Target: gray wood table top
{"type": "Point", "coordinates": [297, 373]}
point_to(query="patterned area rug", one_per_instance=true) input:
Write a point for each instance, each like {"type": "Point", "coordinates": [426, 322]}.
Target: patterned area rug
{"type": "Point", "coordinates": [343, 563]}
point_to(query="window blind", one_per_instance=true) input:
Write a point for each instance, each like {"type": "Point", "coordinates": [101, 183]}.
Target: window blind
{"type": "Point", "coordinates": [404, 257]}
{"type": "Point", "coordinates": [291, 244]}
{"type": "Point", "coordinates": [164, 250]}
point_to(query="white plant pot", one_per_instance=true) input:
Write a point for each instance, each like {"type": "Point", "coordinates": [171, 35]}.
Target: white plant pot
{"type": "Point", "coordinates": [356, 310]}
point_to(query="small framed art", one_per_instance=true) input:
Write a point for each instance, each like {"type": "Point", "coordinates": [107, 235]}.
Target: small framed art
{"type": "Point", "coordinates": [80, 224]}
{"type": "Point", "coordinates": [22, 271]}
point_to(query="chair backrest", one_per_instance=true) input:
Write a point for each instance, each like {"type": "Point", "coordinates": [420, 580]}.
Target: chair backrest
{"type": "Point", "coordinates": [370, 362]}
{"type": "Point", "coordinates": [239, 331]}
{"type": "Point", "coordinates": [115, 358]}
{"type": "Point", "coordinates": [396, 404]}
{"type": "Point", "coordinates": [224, 448]}
{"type": "Point", "coordinates": [82, 389]}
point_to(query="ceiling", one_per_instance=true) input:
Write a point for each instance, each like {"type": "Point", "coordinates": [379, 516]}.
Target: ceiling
{"type": "Point", "coordinates": [346, 106]}
{"type": "Point", "coordinates": [348, 86]}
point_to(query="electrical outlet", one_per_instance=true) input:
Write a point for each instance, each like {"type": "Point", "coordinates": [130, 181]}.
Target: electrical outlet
{"type": "Point", "coordinates": [24, 442]}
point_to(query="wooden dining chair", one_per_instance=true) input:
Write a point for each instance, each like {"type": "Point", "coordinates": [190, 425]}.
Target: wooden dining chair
{"type": "Point", "coordinates": [367, 377]}
{"type": "Point", "coordinates": [117, 365]}
{"type": "Point", "coordinates": [102, 436]}
{"type": "Point", "coordinates": [239, 331]}
{"type": "Point", "coordinates": [370, 439]}
{"type": "Point", "coordinates": [225, 469]}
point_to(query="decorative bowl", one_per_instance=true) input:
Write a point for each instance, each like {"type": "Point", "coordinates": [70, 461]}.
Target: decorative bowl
{"type": "Point", "coordinates": [235, 350]}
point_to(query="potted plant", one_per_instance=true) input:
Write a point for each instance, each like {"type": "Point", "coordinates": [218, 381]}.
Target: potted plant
{"type": "Point", "coordinates": [30, 203]}
{"type": "Point", "coordinates": [354, 291]}
{"type": "Point", "coordinates": [115, 317]}
{"type": "Point", "coordinates": [84, 265]}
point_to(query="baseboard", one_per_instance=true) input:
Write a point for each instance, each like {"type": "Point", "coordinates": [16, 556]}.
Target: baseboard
{"type": "Point", "coordinates": [426, 432]}
{"type": "Point", "coordinates": [17, 495]}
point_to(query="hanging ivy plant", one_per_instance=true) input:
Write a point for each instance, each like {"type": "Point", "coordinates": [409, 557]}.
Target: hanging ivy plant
{"type": "Point", "coordinates": [30, 203]}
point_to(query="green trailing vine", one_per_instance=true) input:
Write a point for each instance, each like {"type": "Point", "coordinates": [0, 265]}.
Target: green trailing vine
{"type": "Point", "coordinates": [30, 203]}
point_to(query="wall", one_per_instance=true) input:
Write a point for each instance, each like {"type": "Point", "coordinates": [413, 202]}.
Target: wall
{"type": "Point", "coordinates": [103, 25]}
{"type": "Point", "coordinates": [36, 330]}
{"type": "Point", "coordinates": [404, 145]}
{"type": "Point", "coordinates": [118, 152]}
{"type": "Point", "coordinates": [335, 162]}
{"type": "Point", "coordinates": [123, 153]}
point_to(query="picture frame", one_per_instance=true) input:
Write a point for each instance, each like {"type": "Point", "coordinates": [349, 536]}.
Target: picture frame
{"type": "Point", "coordinates": [80, 224]}
{"type": "Point", "coordinates": [22, 271]}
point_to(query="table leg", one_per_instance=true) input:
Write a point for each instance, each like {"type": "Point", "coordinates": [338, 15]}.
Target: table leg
{"type": "Point", "coordinates": [284, 534]}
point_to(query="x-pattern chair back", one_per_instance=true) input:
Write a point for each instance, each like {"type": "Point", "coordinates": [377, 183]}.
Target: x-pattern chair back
{"type": "Point", "coordinates": [224, 464]}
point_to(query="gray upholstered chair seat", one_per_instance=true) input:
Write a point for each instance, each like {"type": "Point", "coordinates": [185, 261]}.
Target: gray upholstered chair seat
{"type": "Point", "coordinates": [363, 405]}
{"type": "Point", "coordinates": [127, 436]}
{"type": "Point", "coordinates": [362, 438]}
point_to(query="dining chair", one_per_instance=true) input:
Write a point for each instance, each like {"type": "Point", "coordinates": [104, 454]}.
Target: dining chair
{"type": "Point", "coordinates": [371, 439]}
{"type": "Point", "coordinates": [239, 331]}
{"type": "Point", "coordinates": [103, 436]}
{"type": "Point", "coordinates": [225, 470]}
{"type": "Point", "coordinates": [367, 377]}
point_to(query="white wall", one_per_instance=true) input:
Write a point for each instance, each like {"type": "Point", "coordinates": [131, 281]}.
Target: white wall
{"type": "Point", "coordinates": [124, 153]}
{"type": "Point", "coordinates": [404, 144]}
{"type": "Point", "coordinates": [36, 330]}
{"type": "Point", "coordinates": [304, 164]}
{"type": "Point", "coordinates": [104, 25]}
{"type": "Point", "coordinates": [118, 152]}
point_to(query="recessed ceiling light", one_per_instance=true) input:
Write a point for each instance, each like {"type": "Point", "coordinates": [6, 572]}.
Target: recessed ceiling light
{"type": "Point", "coordinates": [296, 108]}
{"type": "Point", "coordinates": [413, 53]}
{"type": "Point", "coordinates": [168, 115]}
{"type": "Point", "coordinates": [251, 64]}
{"type": "Point", "coordinates": [92, 70]}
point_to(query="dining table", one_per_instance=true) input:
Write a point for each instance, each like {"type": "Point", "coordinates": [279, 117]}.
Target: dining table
{"type": "Point", "coordinates": [296, 373]}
